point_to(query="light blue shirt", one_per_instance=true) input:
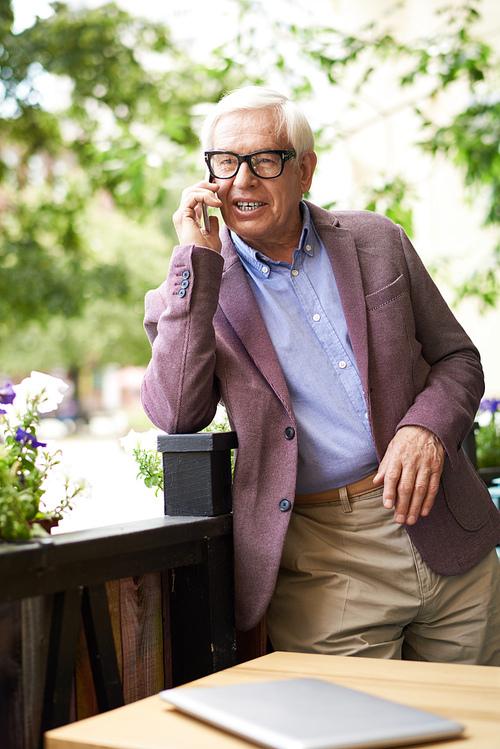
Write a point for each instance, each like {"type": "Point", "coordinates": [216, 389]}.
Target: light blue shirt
{"type": "Point", "coordinates": [303, 313]}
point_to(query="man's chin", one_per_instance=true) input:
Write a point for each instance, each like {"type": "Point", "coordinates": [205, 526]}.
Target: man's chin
{"type": "Point", "coordinates": [246, 228]}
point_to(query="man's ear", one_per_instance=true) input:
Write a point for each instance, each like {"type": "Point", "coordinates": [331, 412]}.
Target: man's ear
{"type": "Point", "coordinates": [307, 166]}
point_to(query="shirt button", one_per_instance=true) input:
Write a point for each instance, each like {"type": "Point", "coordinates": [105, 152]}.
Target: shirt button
{"type": "Point", "coordinates": [295, 272]}
{"type": "Point", "coordinates": [289, 433]}
{"type": "Point", "coordinates": [342, 364]}
{"type": "Point", "coordinates": [316, 318]}
{"type": "Point", "coordinates": [265, 269]}
{"type": "Point", "coordinates": [285, 505]}
{"type": "Point", "coordinates": [308, 247]}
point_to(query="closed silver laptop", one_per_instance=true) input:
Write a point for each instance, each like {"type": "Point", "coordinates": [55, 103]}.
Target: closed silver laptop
{"type": "Point", "coordinates": [310, 714]}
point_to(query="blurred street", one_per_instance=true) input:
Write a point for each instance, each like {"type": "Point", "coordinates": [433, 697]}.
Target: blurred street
{"type": "Point", "coordinates": [116, 495]}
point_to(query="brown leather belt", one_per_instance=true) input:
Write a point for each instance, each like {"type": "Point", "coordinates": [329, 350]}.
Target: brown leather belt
{"type": "Point", "coordinates": [355, 489]}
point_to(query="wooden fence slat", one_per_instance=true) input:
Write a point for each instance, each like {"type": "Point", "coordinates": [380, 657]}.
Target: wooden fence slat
{"type": "Point", "coordinates": [142, 636]}
{"type": "Point", "coordinates": [113, 593]}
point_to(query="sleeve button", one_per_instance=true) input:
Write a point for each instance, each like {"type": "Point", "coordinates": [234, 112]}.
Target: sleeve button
{"type": "Point", "coordinates": [285, 505]}
{"type": "Point", "coordinates": [184, 284]}
{"type": "Point", "coordinates": [181, 292]}
{"type": "Point", "coordinates": [185, 273]}
{"type": "Point", "coordinates": [289, 433]}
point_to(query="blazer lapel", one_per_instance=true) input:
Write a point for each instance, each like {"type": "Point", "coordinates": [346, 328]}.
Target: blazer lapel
{"type": "Point", "coordinates": [343, 256]}
{"type": "Point", "coordinates": [242, 312]}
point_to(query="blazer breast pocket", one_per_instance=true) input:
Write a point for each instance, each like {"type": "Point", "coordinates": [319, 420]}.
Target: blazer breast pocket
{"type": "Point", "coordinates": [388, 294]}
{"type": "Point", "coordinates": [393, 345]}
{"type": "Point", "coordinates": [390, 319]}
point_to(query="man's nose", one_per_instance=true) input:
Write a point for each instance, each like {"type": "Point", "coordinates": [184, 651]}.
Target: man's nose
{"type": "Point", "coordinates": [244, 176]}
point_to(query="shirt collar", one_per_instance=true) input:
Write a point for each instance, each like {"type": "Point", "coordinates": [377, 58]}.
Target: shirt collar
{"type": "Point", "coordinates": [263, 264]}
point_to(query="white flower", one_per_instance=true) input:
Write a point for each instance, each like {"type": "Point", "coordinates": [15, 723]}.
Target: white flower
{"type": "Point", "coordinates": [484, 418]}
{"type": "Point", "coordinates": [60, 486]}
{"type": "Point", "coordinates": [48, 390]}
{"type": "Point", "coordinates": [146, 441]}
{"type": "Point", "coordinates": [130, 442]}
{"type": "Point", "coordinates": [220, 415]}
{"type": "Point", "coordinates": [52, 390]}
{"type": "Point", "coordinates": [220, 422]}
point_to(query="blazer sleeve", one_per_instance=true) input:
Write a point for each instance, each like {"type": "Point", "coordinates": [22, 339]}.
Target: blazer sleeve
{"type": "Point", "coordinates": [179, 390]}
{"type": "Point", "coordinates": [455, 384]}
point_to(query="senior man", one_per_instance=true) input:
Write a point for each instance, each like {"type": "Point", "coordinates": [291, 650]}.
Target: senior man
{"type": "Point", "coordinates": [360, 526]}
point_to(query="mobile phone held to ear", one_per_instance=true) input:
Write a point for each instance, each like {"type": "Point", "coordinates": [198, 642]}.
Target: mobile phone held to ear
{"type": "Point", "coordinates": [206, 218]}
{"type": "Point", "coordinates": [204, 207]}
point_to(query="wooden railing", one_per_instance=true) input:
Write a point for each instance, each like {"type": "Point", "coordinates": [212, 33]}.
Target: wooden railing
{"type": "Point", "coordinates": [95, 619]}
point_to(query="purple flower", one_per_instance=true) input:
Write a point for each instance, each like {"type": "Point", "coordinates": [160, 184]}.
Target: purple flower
{"type": "Point", "coordinates": [7, 394]}
{"type": "Point", "coordinates": [23, 436]}
{"type": "Point", "coordinates": [489, 405]}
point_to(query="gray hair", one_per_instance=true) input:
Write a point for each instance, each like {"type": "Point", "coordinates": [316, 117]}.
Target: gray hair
{"type": "Point", "coordinates": [289, 117]}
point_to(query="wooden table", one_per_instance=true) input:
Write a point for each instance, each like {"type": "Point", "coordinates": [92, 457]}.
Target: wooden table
{"type": "Point", "coordinates": [468, 694]}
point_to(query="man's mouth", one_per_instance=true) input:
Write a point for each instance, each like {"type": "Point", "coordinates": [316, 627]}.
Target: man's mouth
{"type": "Point", "coordinates": [248, 205]}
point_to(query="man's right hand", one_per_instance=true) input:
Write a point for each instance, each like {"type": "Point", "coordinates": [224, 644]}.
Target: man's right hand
{"type": "Point", "coordinates": [188, 220]}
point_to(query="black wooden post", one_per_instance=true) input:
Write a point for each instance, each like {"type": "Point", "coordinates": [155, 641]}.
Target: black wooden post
{"type": "Point", "coordinates": [197, 481]}
{"type": "Point", "coordinates": [197, 472]}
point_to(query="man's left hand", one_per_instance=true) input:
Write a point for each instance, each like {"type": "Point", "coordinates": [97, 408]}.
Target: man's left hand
{"type": "Point", "coordinates": [410, 471]}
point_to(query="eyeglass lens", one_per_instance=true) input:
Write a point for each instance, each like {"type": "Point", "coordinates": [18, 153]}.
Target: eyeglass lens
{"type": "Point", "coordinates": [263, 164]}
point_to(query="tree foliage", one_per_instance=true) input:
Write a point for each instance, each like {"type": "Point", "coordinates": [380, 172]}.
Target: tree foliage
{"type": "Point", "coordinates": [120, 123]}
{"type": "Point", "coordinates": [450, 63]}
{"type": "Point", "coordinates": [108, 330]}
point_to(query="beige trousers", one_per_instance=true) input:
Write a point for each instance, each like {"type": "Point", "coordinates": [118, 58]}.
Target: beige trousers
{"type": "Point", "coordinates": [352, 583]}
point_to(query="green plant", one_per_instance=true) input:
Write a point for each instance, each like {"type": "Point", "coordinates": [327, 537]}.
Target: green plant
{"type": "Point", "coordinates": [142, 445]}
{"type": "Point", "coordinates": [27, 470]}
{"type": "Point", "coordinates": [488, 435]}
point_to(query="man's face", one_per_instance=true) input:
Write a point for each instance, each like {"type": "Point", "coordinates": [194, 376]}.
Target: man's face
{"type": "Point", "coordinates": [263, 212]}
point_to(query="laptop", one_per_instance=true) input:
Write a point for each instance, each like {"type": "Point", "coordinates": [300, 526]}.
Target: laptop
{"type": "Point", "coordinates": [310, 714]}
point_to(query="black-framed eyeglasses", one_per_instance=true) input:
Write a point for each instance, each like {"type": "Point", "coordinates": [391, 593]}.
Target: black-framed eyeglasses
{"type": "Point", "coordinates": [264, 164]}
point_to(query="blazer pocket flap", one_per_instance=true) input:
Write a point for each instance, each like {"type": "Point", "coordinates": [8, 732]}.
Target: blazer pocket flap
{"type": "Point", "coordinates": [387, 294]}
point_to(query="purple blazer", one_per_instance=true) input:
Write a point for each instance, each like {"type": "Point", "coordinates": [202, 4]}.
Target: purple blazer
{"type": "Point", "coordinates": [416, 363]}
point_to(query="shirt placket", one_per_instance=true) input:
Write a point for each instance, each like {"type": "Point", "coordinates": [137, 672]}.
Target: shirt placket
{"type": "Point", "coordinates": [324, 330]}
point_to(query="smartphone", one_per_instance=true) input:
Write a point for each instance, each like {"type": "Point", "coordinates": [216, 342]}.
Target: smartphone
{"type": "Point", "coordinates": [204, 206]}
{"type": "Point", "coordinates": [206, 220]}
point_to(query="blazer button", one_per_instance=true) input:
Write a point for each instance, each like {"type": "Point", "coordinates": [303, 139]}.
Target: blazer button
{"type": "Point", "coordinates": [289, 433]}
{"type": "Point", "coordinates": [285, 505]}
